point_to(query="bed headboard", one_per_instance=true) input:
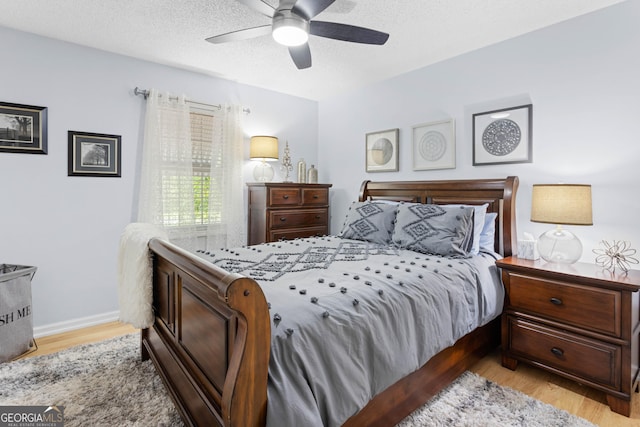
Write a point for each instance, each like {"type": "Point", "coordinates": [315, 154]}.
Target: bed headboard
{"type": "Point", "coordinates": [500, 194]}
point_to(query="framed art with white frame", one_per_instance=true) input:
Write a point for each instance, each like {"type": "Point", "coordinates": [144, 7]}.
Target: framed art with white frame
{"type": "Point", "coordinates": [434, 145]}
{"type": "Point", "coordinates": [503, 136]}
{"type": "Point", "coordinates": [382, 151]}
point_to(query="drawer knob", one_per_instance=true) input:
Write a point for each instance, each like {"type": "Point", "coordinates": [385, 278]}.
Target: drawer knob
{"type": "Point", "coordinates": [283, 219]}
{"type": "Point", "coordinates": [556, 301]}
{"type": "Point", "coordinates": [315, 196]}
{"type": "Point", "coordinates": [557, 351]}
{"type": "Point", "coordinates": [317, 216]}
{"type": "Point", "coordinates": [286, 196]}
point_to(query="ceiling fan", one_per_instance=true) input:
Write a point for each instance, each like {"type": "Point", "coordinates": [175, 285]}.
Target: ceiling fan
{"type": "Point", "coordinates": [292, 23]}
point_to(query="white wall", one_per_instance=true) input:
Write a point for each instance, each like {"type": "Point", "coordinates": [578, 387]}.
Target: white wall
{"type": "Point", "coordinates": [69, 227]}
{"type": "Point", "coordinates": [581, 77]}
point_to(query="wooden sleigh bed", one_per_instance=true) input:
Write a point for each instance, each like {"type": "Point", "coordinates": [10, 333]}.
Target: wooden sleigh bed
{"type": "Point", "coordinates": [210, 342]}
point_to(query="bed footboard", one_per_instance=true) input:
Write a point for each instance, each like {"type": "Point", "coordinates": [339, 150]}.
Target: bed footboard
{"type": "Point", "coordinates": [210, 340]}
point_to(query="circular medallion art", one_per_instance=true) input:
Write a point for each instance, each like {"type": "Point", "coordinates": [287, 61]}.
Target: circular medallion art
{"type": "Point", "coordinates": [381, 151]}
{"type": "Point", "coordinates": [501, 137]}
{"type": "Point", "coordinates": [432, 146]}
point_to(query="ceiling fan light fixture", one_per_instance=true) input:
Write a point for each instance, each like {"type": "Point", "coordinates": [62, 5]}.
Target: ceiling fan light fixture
{"type": "Point", "coordinates": [290, 30]}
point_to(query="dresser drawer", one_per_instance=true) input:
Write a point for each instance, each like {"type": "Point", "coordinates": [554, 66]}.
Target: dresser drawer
{"type": "Point", "coordinates": [596, 309]}
{"type": "Point", "coordinates": [296, 233]}
{"type": "Point", "coordinates": [283, 197]}
{"type": "Point", "coordinates": [298, 218]}
{"type": "Point", "coordinates": [315, 196]}
{"type": "Point", "coordinates": [591, 360]}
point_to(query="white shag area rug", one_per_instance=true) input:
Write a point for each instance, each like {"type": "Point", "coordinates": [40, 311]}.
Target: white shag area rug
{"type": "Point", "coordinates": [106, 384]}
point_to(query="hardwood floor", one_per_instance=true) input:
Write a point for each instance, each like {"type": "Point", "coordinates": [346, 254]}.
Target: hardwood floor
{"type": "Point", "coordinates": [562, 393]}
{"type": "Point", "coordinates": [568, 395]}
{"type": "Point", "coordinates": [55, 343]}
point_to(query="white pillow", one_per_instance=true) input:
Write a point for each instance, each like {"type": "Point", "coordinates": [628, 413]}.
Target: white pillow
{"type": "Point", "coordinates": [487, 237]}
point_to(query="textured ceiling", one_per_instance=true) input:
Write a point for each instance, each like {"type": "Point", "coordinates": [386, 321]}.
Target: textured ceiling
{"type": "Point", "coordinates": [173, 32]}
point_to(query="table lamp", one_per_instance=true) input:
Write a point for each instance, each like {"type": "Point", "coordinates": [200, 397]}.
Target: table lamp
{"type": "Point", "coordinates": [265, 149]}
{"type": "Point", "coordinates": [561, 204]}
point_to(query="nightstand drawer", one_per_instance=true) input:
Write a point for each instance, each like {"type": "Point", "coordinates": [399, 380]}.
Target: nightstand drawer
{"type": "Point", "coordinates": [596, 309]}
{"type": "Point", "coordinates": [315, 196]}
{"type": "Point", "coordinates": [298, 218]}
{"type": "Point", "coordinates": [283, 196]}
{"type": "Point", "coordinates": [591, 360]}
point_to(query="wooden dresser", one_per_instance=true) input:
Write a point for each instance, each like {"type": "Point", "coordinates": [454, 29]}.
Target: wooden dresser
{"type": "Point", "coordinates": [579, 321]}
{"type": "Point", "coordinates": [286, 210]}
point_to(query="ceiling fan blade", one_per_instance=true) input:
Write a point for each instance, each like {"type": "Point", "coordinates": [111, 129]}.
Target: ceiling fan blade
{"type": "Point", "coordinates": [301, 56]}
{"type": "Point", "coordinates": [247, 33]}
{"type": "Point", "coordinates": [310, 8]}
{"type": "Point", "coordinates": [348, 33]}
{"type": "Point", "coordinates": [259, 6]}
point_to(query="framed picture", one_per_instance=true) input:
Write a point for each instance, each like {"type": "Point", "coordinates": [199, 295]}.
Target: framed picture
{"type": "Point", "coordinates": [503, 136]}
{"type": "Point", "coordinates": [94, 154]}
{"type": "Point", "coordinates": [382, 151]}
{"type": "Point", "coordinates": [434, 146]}
{"type": "Point", "coordinates": [23, 128]}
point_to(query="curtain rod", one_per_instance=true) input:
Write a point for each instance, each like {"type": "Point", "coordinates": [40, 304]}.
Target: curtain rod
{"type": "Point", "coordinates": [145, 93]}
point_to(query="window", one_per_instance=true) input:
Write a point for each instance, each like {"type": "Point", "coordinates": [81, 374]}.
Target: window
{"type": "Point", "coordinates": [191, 174]}
{"type": "Point", "coordinates": [178, 187]}
{"type": "Point", "coordinates": [201, 140]}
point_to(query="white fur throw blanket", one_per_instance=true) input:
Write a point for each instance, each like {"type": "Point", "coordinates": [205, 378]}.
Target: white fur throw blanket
{"type": "Point", "coordinates": [135, 286]}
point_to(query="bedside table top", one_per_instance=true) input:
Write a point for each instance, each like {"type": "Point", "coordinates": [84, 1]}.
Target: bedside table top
{"type": "Point", "coordinates": [584, 272]}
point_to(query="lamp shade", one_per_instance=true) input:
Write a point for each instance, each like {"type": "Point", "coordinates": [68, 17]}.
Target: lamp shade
{"type": "Point", "coordinates": [561, 204]}
{"type": "Point", "coordinates": [263, 148]}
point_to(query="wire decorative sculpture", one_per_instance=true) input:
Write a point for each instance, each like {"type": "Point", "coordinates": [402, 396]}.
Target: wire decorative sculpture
{"type": "Point", "coordinates": [287, 166]}
{"type": "Point", "coordinates": [617, 254]}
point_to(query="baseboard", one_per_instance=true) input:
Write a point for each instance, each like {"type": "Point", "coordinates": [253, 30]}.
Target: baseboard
{"type": "Point", "coordinates": [71, 325]}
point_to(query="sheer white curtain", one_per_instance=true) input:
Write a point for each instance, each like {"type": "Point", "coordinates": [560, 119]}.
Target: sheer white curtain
{"type": "Point", "coordinates": [227, 227]}
{"type": "Point", "coordinates": [166, 182]}
{"type": "Point", "coordinates": [166, 196]}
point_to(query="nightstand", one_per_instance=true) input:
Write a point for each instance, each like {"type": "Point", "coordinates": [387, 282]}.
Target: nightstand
{"type": "Point", "coordinates": [578, 321]}
{"type": "Point", "coordinates": [287, 210]}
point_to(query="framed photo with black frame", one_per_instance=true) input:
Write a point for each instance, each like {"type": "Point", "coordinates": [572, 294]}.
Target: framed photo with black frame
{"type": "Point", "coordinates": [503, 136]}
{"type": "Point", "coordinates": [23, 128]}
{"type": "Point", "coordinates": [382, 151]}
{"type": "Point", "coordinates": [434, 146]}
{"type": "Point", "coordinates": [94, 154]}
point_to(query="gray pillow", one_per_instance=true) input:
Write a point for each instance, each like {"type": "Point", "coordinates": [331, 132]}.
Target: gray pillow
{"type": "Point", "coordinates": [434, 229]}
{"type": "Point", "coordinates": [480, 212]}
{"type": "Point", "coordinates": [369, 221]}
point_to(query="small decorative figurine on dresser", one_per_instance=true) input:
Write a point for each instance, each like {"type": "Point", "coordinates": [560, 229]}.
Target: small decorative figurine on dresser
{"type": "Point", "coordinates": [302, 172]}
{"type": "Point", "coordinates": [312, 175]}
{"type": "Point", "coordinates": [617, 254]}
{"type": "Point", "coordinates": [287, 166]}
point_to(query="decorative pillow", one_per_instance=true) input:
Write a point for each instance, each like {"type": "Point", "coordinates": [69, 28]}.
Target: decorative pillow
{"type": "Point", "coordinates": [487, 237]}
{"type": "Point", "coordinates": [434, 229]}
{"type": "Point", "coordinates": [478, 224]}
{"type": "Point", "coordinates": [369, 221]}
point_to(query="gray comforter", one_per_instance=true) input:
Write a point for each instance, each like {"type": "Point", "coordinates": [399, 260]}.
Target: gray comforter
{"type": "Point", "coordinates": [350, 318]}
